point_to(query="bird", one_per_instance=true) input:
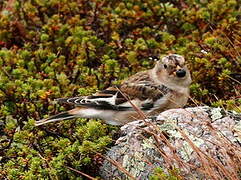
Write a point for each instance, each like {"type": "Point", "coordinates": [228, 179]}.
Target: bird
{"type": "Point", "coordinates": [165, 86]}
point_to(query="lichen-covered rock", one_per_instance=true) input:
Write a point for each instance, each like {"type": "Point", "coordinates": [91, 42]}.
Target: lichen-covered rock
{"type": "Point", "coordinates": [190, 139]}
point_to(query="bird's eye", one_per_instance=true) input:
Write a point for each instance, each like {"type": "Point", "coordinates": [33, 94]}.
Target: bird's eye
{"type": "Point", "coordinates": [165, 66]}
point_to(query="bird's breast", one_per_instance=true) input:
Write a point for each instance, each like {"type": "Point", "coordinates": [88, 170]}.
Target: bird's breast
{"type": "Point", "coordinates": [172, 100]}
{"type": "Point", "coordinates": [179, 99]}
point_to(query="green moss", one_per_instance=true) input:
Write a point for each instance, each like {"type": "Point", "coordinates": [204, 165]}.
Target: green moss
{"type": "Point", "coordinates": [159, 174]}
{"type": "Point", "coordinates": [44, 37]}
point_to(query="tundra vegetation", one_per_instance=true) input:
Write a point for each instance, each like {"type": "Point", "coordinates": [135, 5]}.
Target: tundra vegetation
{"type": "Point", "coordinates": [62, 48]}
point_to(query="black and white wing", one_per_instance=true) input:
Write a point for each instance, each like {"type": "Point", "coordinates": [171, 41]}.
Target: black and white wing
{"type": "Point", "coordinates": [142, 95]}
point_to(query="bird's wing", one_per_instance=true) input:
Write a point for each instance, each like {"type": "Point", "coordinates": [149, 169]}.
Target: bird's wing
{"type": "Point", "coordinates": [140, 89]}
{"type": "Point", "coordinates": [105, 100]}
{"type": "Point", "coordinates": [142, 94]}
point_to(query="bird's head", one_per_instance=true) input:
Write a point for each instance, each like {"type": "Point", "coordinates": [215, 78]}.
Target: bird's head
{"type": "Point", "coordinates": [172, 69]}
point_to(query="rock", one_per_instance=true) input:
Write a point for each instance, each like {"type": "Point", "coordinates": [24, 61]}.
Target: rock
{"type": "Point", "coordinates": [192, 140]}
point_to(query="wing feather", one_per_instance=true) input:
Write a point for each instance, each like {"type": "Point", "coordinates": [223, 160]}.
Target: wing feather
{"type": "Point", "coordinates": [140, 89]}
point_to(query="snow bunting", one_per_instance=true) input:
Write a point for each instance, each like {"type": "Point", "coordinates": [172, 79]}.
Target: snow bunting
{"type": "Point", "coordinates": [166, 86]}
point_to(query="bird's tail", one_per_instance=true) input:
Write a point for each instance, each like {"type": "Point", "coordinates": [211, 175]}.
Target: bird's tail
{"type": "Point", "coordinates": [58, 117]}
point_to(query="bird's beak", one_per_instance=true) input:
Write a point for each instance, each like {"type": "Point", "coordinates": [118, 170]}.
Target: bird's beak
{"type": "Point", "coordinates": [180, 72]}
